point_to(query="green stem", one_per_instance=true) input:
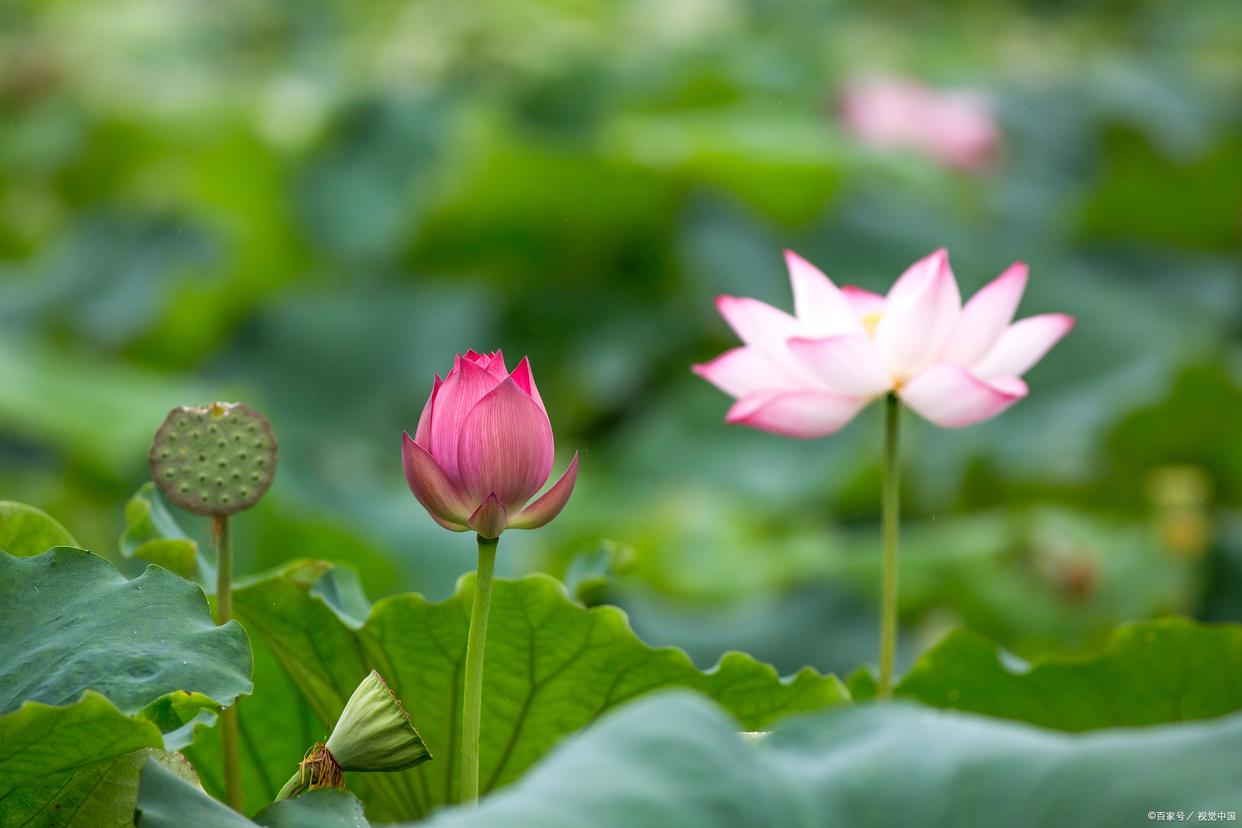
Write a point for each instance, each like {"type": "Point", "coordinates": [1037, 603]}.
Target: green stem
{"type": "Point", "coordinates": [230, 734]}
{"type": "Point", "coordinates": [890, 512]}
{"type": "Point", "coordinates": [472, 704]}
{"type": "Point", "coordinates": [291, 788]}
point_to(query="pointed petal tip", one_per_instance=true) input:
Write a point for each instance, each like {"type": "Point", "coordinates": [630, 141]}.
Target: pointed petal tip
{"type": "Point", "coordinates": [491, 518]}
{"type": "Point", "coordinates": [1016, 270]}
{"type": "Point", "coordinates": [792, 257]}
{"type": "Point", "coordinates": [430, 486]}
{"type": "Point", "coordinates": [550, 504]}
{"type": "Point", "coordinates": [744, 370]}
{"type": "Point", "coordinates": [1022, 345]}
{"type": "Point", "coordinates": [524, 376]}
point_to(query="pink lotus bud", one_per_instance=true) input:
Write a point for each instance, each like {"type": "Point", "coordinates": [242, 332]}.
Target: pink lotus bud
{"type": "Point", "coordinates": [483, 447]}
{"type": "Point", "coordinates": [949, 126]}
{"type": "Point", "coordinates": [807, 375]}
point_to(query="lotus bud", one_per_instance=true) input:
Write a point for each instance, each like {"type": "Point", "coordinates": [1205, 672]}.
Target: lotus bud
{"type": "Point", "coordinates": [373, 733]}
{"type": "Point", "coordinates": [483, 448]}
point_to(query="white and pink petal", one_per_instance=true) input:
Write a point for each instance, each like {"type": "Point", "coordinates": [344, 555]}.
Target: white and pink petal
{"type": "Point", "coordinates": [819, 305]}
{"type": "Point", "coordinates": [745, 370]}
{"type": "Point", "coordinates": [919, 314]}
{"type": "Point", "coordinates": [1023, 344]}
{"type": "Point", "coordinates": [985, 317]}
{"type": "Point", "coordinates": [951, 396]}
{"type": "Point", "coordinates": [850, 364]}
{"type": "Point", "coordinates": [756, 323]}
{"type": "Point", "coordinates": [863, 302]}
{"type": "Point", "coordinates": [804, 414]}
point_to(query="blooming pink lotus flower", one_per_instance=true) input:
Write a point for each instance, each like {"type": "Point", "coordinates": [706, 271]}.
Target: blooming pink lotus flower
{"type": "Point", "coordinates": [807, 375]}
{"type": "Point", "coordinates": [952, 127]}
{"type": "Point", "coordinates": [483, 447]}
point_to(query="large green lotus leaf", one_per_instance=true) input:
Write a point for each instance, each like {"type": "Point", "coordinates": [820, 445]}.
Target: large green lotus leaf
{"type": "Point", "coordinates": [277, 726]}
{"type": "Point", "coordinates": [675, 760]}
{"type": "Point", "coordinates": [1152, 672]}
{"type": "Point", "coordinates": [71, 766]}
{"type": "Point", "coordinates": [72, 622]}
{"type": "Point", "coordinates": [167, 801]}
{"type": "Point", "coordinates": [552, 667]}
{"type": "Point", "coordinates": [151, 533]}
{"type": "Point", "coordinates": [25, 530]}
{"type": "Point", "coordinates": [124, 659]}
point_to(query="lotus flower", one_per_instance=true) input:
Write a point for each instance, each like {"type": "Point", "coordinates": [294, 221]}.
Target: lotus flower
{"type": "Point", "coordinates": [952, 127]}
{"type": "Point", "coordinates": [483, 447]}
{"type": "Point", "coordinates": [807, 375]}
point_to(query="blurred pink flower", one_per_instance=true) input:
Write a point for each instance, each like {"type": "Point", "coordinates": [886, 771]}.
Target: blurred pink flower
{"type": "Point", "coordinates": [952, 127]}
{"type": "Point", "coordinates": [483, 447]}
{"type": "Point", "coordinates": [808, 375]}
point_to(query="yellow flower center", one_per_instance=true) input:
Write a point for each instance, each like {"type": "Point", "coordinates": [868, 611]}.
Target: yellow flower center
{"type": "Point", "coordinates": [870, 320]}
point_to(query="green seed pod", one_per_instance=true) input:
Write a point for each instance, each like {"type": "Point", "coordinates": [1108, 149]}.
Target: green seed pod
{"type": "Point", "coordinates": [216, 459]}
{"type": "Point", "coordinates": [374, 733]}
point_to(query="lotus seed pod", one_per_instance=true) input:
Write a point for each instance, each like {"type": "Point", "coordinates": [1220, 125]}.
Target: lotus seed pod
{"type": "Point", "coordinates": [216, 459]}
{"type": "Point", "coordinates": [374, 733]}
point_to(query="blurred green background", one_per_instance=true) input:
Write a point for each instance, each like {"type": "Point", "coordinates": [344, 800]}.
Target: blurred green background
{"type": "Point", "coordinates": [312, 206]}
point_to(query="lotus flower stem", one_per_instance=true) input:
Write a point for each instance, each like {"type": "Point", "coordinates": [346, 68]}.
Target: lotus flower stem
{"type": "Point", "coordinates": [229, 732]}
{"type": "Point", "coordinates": [890, 508]}
{"type": "Point", "coordinates": [472, 704]}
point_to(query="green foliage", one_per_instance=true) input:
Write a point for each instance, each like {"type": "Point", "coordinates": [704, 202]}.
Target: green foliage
{"type": "Point", "coordinates": [676, 760]}
{"type": "Point", "coordinates": [75, 765]}
{"type": "Point", "coordinates": [1151, 673]}
{"type": "Point", "coordinates": [152, 534]}
{"type": "Point", "coordinates": [94, 669]}
{"type": "Point", "coordinates": [1202, 401]}
{"type": "Point", "coordinates": [552, 667]}
{"type": "Point", "coordinates": [312, 206]}
{"type": "Point", "coordinates": [72, 622]}
{"type": "Point", "coordinates": [168, 802]}
{"type": "Point", "coordinates": [1183, 200]}
{"type": "Point", "coordinates": [25, 530]}
{"type": "Point", "coordinates": [99, 413]}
